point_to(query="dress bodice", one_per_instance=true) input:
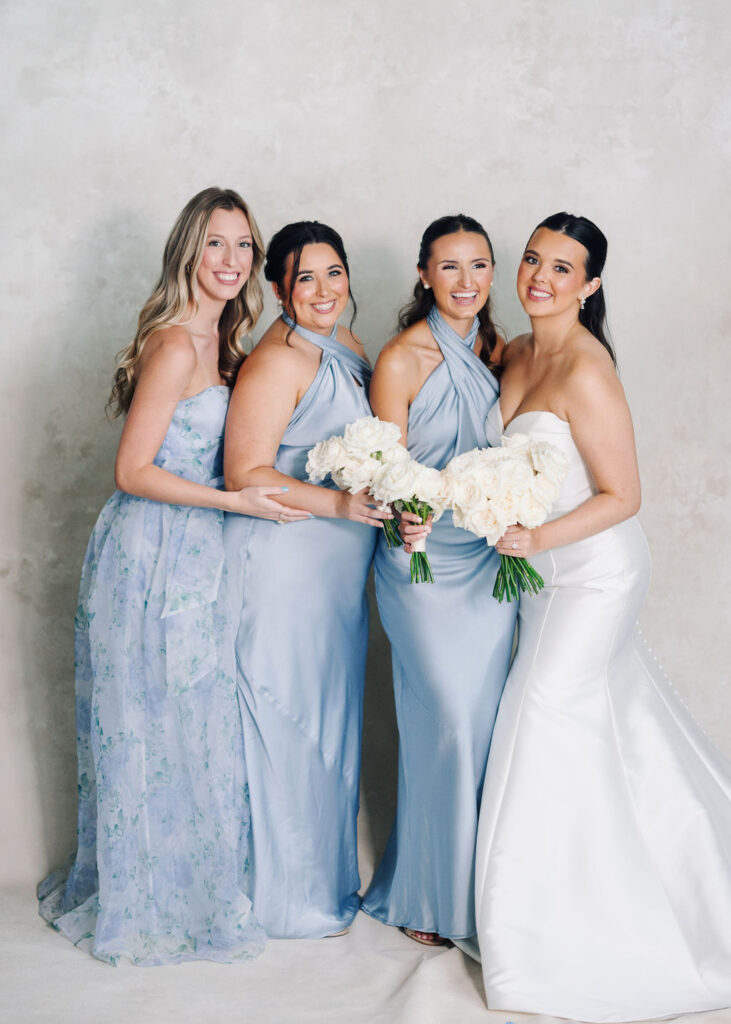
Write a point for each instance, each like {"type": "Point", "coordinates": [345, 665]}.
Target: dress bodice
{"type": "Point", "coordinates": [447, 416]}
{"type": "Point", "coordinates": [541, 425]}
{"type": "Point", "coordinates": [337, 396]}
{"type": "Point", "coordinates": [193, 445]}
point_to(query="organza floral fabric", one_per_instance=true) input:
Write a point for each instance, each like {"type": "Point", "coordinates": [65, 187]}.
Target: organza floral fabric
{"type": "Point", "coordinates": [161, 870]}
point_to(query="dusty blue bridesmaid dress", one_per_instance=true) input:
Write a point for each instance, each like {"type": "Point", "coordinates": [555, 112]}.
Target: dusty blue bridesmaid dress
{"type": "Point", "coordinates": [451, 644]}
{"type": "Point", "coordinates": [160, 873]}
{"type": "Point", "coordinates": [298, 598]}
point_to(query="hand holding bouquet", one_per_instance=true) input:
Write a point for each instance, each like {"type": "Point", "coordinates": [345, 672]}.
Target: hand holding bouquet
{"type": "Point", "coordinates": [494, 488]}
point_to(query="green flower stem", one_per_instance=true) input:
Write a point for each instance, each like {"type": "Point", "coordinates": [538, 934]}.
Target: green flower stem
{"type": "Point", "coordinates": [419, 568]}
{"type": "Point", "coordinates": [513, 576]}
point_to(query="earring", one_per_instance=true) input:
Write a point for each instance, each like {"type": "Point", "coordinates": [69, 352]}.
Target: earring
{"type": "Point", "coordinates": [425, 286]}
{"type": "Point", "coordinates": [583, 302]}
{"type": "Point", "coordinates": [188, 267]}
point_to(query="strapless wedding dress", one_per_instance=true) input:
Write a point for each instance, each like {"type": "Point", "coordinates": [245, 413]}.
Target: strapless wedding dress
{"type": "Point", "coordinates": [603, 875]}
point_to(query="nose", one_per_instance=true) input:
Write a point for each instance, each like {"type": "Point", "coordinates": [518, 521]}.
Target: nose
{"type": "Point", "coordinates": [465, 277]}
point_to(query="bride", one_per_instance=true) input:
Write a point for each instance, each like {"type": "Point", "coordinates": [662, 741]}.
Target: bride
{"type": "Point", "coordinates": [603, 881]}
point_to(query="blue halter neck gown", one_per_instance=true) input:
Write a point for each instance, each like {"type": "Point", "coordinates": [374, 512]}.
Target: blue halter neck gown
{"type": "Point", "coordinates": [451, 644]}
{"type": "Point", "coordinates": [298, 600]}
{"type": "Point", "coordinates": [160, 873]}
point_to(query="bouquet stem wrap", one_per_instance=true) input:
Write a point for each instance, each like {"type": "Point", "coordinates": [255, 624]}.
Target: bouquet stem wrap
{"type": "Point", "coordinates": [420, 568]}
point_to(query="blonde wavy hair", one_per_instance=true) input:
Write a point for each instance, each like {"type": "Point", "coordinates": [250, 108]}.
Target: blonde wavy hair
{"type": "Point", "coordinates": [178, 287]}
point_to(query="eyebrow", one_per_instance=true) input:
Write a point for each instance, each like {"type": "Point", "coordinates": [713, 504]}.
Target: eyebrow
{"type": "Point", "coordinates": [215, 234]}
{"type": "Point", "coordinates": [333, 266]}
{"type": "Point", "coordinates": [473, 259]}
{"type": "Point", "coordinates": [532, 252]}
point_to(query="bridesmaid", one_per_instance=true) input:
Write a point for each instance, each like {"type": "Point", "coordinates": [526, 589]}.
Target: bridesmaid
{"type": "Point", "coordinates": [451, 642]}
{"type": "Point", "coordinates": [160, 874]}
{"type": "Point", "coordinates": [300, 600]}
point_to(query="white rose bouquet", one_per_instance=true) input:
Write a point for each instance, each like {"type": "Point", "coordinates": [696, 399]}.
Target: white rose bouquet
{"type": "Point", "coordinates": [494, 488]}
{"type": "Point", "coordinates": [353, 460]}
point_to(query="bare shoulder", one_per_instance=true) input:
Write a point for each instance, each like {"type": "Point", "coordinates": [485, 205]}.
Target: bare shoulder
{"type": "Point", "coordinates": [173, 345]}
{"type": "Point", "coordinates": [409, 346]}
{"type": "Point", "coordinates": [589, 362]}
{"type": "Point", "coordinates": [273, 358]}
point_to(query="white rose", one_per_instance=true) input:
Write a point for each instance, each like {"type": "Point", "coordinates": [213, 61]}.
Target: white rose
{"type": "Point", "coordinates": [397, 453]}
{"type": "Point", "coordinates": [549, 460]}
{"type": "Point", "coordinates": [369, 434]}
{"type": "Point", "coordinates": [515, 441]}
{"type": "Point", "coordinates": [325, 457]}
{"type": "Point", "coordinates": [355, 473]}
{"type": "Point", "coordinates": [467, 493]}
{"type": "Point", "coordinates": [504, 505]}
{"type": "Point", "coordinates": [529, 512]}
{"type": "Point", "coordinates": [394, 481]}
{"type": "Point", "coordinates": [432, 487]}
{"type": "Point", "coordinates": [544, 491]}
{"type": "Point", "coordinates": [485, 522]}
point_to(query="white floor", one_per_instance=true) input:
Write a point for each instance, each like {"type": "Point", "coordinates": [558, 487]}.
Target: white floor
{"type": "Point", "coordinates": [373, 975]}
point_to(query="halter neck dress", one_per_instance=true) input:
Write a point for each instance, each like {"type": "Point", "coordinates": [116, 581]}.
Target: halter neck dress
{"type": "Point", "coordinates": [451, 644]}
{"type": "Point", "coordinates": [300, 610]}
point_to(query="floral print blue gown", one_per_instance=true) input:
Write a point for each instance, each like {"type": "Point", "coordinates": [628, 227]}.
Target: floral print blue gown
{"type": "Point", "coordinates": [160, 874]}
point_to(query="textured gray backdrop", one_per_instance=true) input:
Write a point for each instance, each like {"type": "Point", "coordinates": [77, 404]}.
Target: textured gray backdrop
{"type": "Point", "coordinates": [376, 117]}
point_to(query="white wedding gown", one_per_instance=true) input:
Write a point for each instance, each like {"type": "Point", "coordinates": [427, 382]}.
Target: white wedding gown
{"type": "Point", "coordinates": [603, 879]}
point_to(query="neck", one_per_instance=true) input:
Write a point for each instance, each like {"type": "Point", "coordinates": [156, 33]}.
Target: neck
{"type": "Point", "coordinates": [325, 332]}
{"type": "Point", "coordinates": [205, 319]}
{"type": "Point", "coordinates": [550, 334]}
{"type": "Point", "coordinates": [462, 327]}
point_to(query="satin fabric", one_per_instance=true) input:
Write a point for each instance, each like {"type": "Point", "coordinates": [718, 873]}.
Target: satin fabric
{"type": "Point", "coordinates": [299, 606]}
{"type": "Point", "coordinates": [161, 870]}
{"type": "Point", "coordinates": [604, 850]}
{"type": "Point", "coordinates": [451, 644]}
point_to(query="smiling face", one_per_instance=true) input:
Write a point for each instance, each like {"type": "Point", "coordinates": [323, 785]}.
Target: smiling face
{"type": "Point", "coordinates": [552, 275]}
{"type": "Point", "coordinates": [459, 271]}
{"type": "Point", "coordinates": [320, 291]}
{"type": "Point", "coordinates": [227, 255]}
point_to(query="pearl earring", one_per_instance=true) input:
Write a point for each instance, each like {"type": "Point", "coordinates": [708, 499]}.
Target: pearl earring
{"type": "Point", "coordinates": [425, 286]}
{"type": "Point", "coordinates": [583, 302]}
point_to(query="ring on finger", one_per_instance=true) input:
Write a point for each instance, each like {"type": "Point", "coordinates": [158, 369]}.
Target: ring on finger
{"type": "Point", "coordinates": [514, 545]}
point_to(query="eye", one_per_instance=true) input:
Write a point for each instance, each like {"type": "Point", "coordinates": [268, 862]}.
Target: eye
{"type": "Point", "coordinates": [245, 245]}
{"type": "Point", "coordinates": [481, 265]}
{"type": "Point", "coordinates": [335, 272]}
{"type": "Point", "coordinates": [449, 266]}
{"type": "Point", "coordinates": [304, 277]}
{"type": "Point", "coordinates": [214, 241]}
{"type": "Point", "coordinates": [560, 269]}
{"type": "Point", "coordinates": [530, 259]}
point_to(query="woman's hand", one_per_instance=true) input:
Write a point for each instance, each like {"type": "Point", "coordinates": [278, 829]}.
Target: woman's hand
{"type": "Point", "coordinates": [517, 542]}
{"type": "Point", "coordinates": [256, 501]}
{"type": "Point", "coordinates": [361, 508]}
{"type": "Point", "coordinates": [412, 529]}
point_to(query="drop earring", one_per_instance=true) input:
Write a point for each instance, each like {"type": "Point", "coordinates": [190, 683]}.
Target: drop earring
{"type": "Point", "coordinates": [583, 302]}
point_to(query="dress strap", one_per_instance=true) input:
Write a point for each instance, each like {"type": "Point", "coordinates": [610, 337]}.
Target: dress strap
{"type": "Point", "coordinates": [329, 344]}
{"type": "Point", "coordinates": [475, 386]}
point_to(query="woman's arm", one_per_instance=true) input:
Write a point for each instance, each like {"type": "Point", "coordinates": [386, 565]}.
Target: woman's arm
{"type": "Point", "coordinates": [601, 426]}
{"type": "Point", "coordinates": [163, 379]}
{"type": "Point", "coordinates": [270, 384]}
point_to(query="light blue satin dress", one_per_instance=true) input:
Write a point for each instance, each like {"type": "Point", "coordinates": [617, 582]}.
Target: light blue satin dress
{"type": "Point", "coordinates": [451, 643]}
{"type": "Point", "coordinates": [161, 870]}
{"type": "Point", "coordinates": [302, 617]}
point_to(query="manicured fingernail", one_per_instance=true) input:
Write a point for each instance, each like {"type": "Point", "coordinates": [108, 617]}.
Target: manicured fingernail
{"type": "Point", "coordinates": [311, 515]}
{"type": "Point", "coordinates": [285, 488]}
